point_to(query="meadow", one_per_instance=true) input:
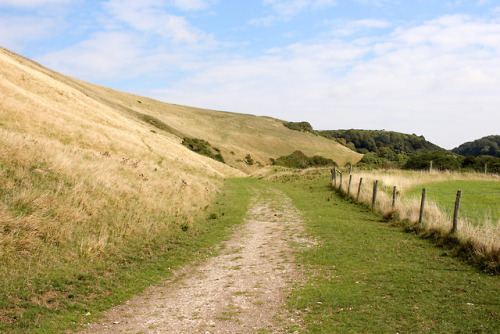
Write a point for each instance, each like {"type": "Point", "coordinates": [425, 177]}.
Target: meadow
{"type": "Point", "coordinates": [478, 230]}
{"type": "Point", "coordinates": [98, 197]}
{"type": "Point", "coordinates": [369, 276]}
{"type": "Point", "coordinates": [480, 202]}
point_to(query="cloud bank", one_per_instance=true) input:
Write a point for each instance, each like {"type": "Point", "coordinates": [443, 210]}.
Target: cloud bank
{"type": "Point", "coordinates": [436, 77]}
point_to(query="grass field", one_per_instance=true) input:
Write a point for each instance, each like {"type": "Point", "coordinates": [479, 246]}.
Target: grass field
{"type": "Point", "coordinates": [55, 297]}
{"type": "Point", "coordinates": [98, 198]}
{"type": "Point", "coordinates": [479, 235]}
{"type": "Point", "coordinates": [480, 203]}
{"type": "Point", "coordinates": [93, 181]}
{"type": "Point", "coordinates": [364, 275]}
{"type": "Point", "coordinates": [370, 277]}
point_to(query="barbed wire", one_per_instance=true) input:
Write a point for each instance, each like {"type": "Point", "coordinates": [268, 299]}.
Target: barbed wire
{"type": "Point", "coordinates": [463, 192]}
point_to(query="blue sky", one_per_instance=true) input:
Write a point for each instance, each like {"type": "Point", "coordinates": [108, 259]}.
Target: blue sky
{"type": "Point", "coordinates": [429, 67]}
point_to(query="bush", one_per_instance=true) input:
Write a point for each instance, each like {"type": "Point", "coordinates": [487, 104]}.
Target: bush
{"type": "Point", "coordinates": [299, 160]}
{"type": "Point", "coordinates": [440, 161]}
{"type": "Point", "coordinates": [203, 147]}
{"type": "Point", "coordinates": [300, 126]}
{"type": "Point", "coordinates": [249, 160]}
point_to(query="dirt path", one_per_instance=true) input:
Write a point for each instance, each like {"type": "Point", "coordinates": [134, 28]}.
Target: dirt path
{"type": "Point", "coordinates": [242, 290]}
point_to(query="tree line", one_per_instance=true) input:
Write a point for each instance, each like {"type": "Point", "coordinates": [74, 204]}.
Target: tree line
{"type": "Point", "coordinates": [390, 149]}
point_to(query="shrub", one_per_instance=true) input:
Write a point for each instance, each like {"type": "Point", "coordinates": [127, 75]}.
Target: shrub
{"type": "Point", "coordinates": [203, 147]}
{"type": "Point", "coordinates": [440, 161]}
{"type": "Point", "coordinates": [249, 160]}
{"type": "Point", "coordinates": [300, 126]}
{"type": "Point", "coordinates": [299, 160]}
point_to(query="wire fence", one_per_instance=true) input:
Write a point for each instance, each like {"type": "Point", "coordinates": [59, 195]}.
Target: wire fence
{"type": "Point", "coordinates": [471, 214]}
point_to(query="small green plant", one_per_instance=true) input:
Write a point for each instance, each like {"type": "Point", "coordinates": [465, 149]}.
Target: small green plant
{"type": "Point", "coordinates": [249, 160]}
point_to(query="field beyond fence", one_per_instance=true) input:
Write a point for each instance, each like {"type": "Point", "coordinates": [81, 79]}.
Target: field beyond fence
{"type": "Point", "coordinates": [459, 207]}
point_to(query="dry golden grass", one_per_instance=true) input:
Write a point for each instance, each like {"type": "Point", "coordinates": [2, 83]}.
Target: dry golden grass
{"type": "Point", "coordinates": [484, 237]}
{"type": "Point", "coordinates": [83, 177]}
{"type": "Point", "coordinates": [86, 170]}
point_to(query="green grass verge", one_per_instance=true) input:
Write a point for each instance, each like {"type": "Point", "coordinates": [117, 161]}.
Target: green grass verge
{"type": "Point", "coordinates": [369, 277]}
{"type": "Point", "coordinates": [480, 199]}
{"type": "Point", "coordinates": [60, 298]}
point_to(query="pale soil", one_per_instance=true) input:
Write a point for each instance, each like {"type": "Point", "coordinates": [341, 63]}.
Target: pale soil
{"type": "Point", "coordinates": [241, 290]}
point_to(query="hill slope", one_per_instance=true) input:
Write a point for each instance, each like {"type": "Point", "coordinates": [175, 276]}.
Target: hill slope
{"type": "Point", "coordinates": [261, 137]}
{"type": "Point", "coordinates": [88, 173]}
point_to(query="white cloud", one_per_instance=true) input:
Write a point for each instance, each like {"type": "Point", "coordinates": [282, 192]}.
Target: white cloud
{"type": "Point", "coordinates": [347, 28]}
{"type": "Point", "coordinates": [16, 31]}
{"type": "Point", "coordinates": [189, 5]}
{"type": "Point", "coordinates": [31, 3]}
{"type": "Point", "coordinates": [440, 79]}
{"type": "Point", "coordinates": [284, 10]}
{"type": "Point", "coordinates": [149, 16]}
{"type": "Point", "coordinates": [105, 55]}
{"type": "Point", "coordinates": [377, 3]}
{"type": "Point", "coordinates": [120, 56]}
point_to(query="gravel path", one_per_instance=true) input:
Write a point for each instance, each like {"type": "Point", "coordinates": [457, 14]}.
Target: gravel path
{"type": "Point", "coordinates": [241, 290]}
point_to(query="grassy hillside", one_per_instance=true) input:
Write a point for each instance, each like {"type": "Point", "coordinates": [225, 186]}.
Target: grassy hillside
{"type": "Point", "coordinates": [91, 176]}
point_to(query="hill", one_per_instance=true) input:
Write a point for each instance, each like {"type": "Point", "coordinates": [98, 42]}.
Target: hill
{"type": "Point", "coordinates": [90, 174]}
{"type": "Point", "coordinates": [382, 148]}
{"type": "Point", "coordinates": [365, 141]}
{"type": "Point", "coordinates": [489, 145]}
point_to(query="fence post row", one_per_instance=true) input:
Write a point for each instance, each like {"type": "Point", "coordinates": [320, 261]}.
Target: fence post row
{"type": "Point", "coordinates": [457, 209]}
{"type": "Point", "coordinates": [359, 188]}
{"type": "Point", "coordinates": [333, 176]}
{"type": "Point", "coordinates": [394, 198]}
{"type": "Point", "coordinates": [349, 187]}
{"type": "Point", "coordinates": [422, 203]}
{"type": "Point", "coordinates": [374, 198]}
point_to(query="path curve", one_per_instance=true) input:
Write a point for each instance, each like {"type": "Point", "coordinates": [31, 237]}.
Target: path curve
{"type": "Point", "coordinates": [241, 290]}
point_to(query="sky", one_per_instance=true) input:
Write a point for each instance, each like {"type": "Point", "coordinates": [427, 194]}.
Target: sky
{"type": "Point", "coordinates": [428, 67]}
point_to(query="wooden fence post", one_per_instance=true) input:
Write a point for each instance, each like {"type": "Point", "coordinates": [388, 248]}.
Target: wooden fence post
{"type": "Point", "coordinates": [340, 186]}
{"type": "Point", "coordinates": [349, 187]}
{"type": "Point", "coordinates": [350, 168]}
{"type": "Point", "coordinates": [335, 176]}
{"type": "Point", "coordinates": [331, 177]}
{"type": "Point", "coordinates": [457, 209]}
{"type": "Point", "coordinates": [422, 203]}
{"type": "Point", "coordinates": [430, 167]}
{"type": "Point", "coordinates": [359, 188]}
{"type": "Point", "coordinates": [374, 198]}
{"type": "Point", "coordinates": [394, 198]}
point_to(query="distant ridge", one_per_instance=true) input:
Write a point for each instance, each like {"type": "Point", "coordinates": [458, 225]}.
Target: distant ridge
{"type": "Point", "coordinates": [489, 146]}
{"type": "Point", "coordinates": [365, 141]}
